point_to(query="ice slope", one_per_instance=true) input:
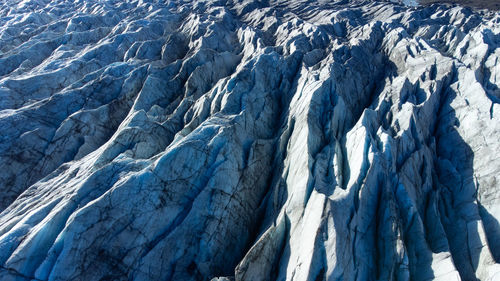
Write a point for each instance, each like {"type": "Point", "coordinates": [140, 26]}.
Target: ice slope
{"type": "Point", "coordinates": [260, 140]}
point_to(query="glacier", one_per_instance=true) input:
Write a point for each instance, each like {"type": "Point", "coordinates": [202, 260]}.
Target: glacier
{"type": "Point", "coordinates": [248, 140]}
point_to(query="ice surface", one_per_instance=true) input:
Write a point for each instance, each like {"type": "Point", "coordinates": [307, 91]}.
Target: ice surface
{"type": "Point", "coordinates": [248, 140]}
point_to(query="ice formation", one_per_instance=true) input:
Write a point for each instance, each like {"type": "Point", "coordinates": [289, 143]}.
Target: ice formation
{"type": "Point", "coordinates": [255, 140]}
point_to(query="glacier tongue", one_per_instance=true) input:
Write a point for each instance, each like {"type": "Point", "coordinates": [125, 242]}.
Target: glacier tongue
{"type": "Point", "coordinates": [248, 140]}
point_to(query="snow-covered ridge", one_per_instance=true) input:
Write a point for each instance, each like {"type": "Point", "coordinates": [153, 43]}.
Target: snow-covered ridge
{"type": "Point", "coordinates": [260, 140]}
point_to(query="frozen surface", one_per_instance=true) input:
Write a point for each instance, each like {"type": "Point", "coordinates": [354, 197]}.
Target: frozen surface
{"type": "Point", "coordinates": [248, 140]}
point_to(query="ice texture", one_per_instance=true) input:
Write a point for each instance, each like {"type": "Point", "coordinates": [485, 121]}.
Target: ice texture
{"type": "Point", "coordinates": [248, 140]}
